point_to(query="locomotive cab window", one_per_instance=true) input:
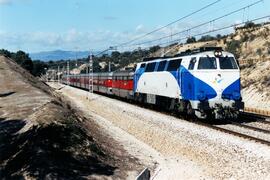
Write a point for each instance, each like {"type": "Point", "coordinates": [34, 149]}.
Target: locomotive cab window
{"type": "Point", "coordinates": [207, 63]}
{"type": "Point", "coordinates": [227, 63]}
{"type": "Point", "coordinates": [142, 65]}
{"type": "Point", "coordinates": [150, 67]}
{"type": "Point", "coordinates": [192, 63]}
{"type": "Point", "coordinates": [174, 65]}
{"type": "Point", "coordinates": [161, 65]}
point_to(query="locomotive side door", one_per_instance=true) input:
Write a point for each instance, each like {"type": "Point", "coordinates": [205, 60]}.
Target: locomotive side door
{"type": "Point", "coordinates": [186, 81]}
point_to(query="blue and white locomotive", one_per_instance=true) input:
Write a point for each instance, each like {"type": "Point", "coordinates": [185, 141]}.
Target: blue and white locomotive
{"type": "Point", "coordinates": [204, 82]}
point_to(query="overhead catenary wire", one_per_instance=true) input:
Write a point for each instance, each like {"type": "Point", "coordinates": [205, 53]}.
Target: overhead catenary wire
{"type": "Point", "coordinates": [187, 30]}
{"type": "Point", "coordinates": [219, 29]}
{"type": "Point", "coordinates": [220, 8]}
{"type": "Point", "coordinates": [200, 25]}
{"type": "Point", "coordinates": [124, 45]}
{"type": "Point", "coordinates": [160, 28]}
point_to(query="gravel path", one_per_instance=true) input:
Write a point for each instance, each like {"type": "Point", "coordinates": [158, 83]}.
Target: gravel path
{"type": "Point", "coordinates": [176, 148]}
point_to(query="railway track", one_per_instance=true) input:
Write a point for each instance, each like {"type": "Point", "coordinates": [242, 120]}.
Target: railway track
{"type": "Point", "coordinates": [245, 117]}
{"type": "Point", "coordinates": [257, 134]}
{"type": "Point", "coordinates": [245, 131]}
{"type": "Point", "coordinates": [241, 128]}
{"type": "Point", "coordinates": [242, 135]}
{"type": "Point", "coordinates": [249, 132]}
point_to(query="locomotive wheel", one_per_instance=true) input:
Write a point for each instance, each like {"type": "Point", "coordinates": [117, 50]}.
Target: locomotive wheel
{"type": "Point", "coordinates": [190, 111]}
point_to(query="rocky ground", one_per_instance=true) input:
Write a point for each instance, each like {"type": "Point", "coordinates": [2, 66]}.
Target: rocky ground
{"type": "Point", "coordinates": [42, 137]}
{"type": "Point", "coordinates": [63, 133]}
{"type": "Point", "coordinates": [172, 148]}
{"type": "Point", "coordinates": [255, 81]}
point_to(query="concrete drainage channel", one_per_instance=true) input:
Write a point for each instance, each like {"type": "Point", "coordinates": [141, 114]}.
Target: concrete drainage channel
{"type": "Point", "coordinates": [144, 175]}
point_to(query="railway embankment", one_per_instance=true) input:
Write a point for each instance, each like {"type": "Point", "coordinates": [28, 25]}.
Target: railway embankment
{"type": "Point", "coordinates": [255, 81]}
{"type": "Point", "coordinates": [42, 137]}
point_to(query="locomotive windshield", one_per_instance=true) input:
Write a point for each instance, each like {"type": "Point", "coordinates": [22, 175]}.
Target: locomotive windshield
{"type": "Point", "coordinates": [161, 65]}
{"type": "Point", "coordinates": [174, 65]}
{"type": "Point", "coordinates": [207, 63]}
{"type": "Point", "coordinates": [227, 63]}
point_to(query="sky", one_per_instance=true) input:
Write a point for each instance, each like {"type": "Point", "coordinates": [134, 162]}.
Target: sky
{"type": "Point", "coordinates": [45, 25]}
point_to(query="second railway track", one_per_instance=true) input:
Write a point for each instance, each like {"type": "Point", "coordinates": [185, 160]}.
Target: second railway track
{"type": "Point", "coordinates": [241, 127]}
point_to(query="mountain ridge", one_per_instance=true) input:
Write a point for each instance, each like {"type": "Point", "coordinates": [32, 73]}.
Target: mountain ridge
{"type": "Point", "coordinates": [58, 55]}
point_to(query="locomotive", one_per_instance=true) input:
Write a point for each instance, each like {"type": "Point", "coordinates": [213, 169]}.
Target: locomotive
{"type": "Point", "coordinates": [204, 82]}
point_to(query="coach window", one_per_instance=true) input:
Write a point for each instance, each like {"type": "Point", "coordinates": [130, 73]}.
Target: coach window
{"type": "Point", "coordinates": [174, 65]}
{"type": "Point", "coordinates": [192, 63]}
{"type": "Point", "coordinates": [150, 67]}
{"type": "Point", "coordinates": [161, 65]}
{"type": "Point", "coordinates": [207, 63]}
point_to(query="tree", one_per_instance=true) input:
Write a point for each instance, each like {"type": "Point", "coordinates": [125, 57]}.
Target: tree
{"type": "Point", "coordinates": [249, 24]}
{"type": "Point", "coordinates": [20, 57]}
{"type": "Point", "coordinates": [154, 49]}
{"type": "Point", "coordinates": [39, 68]}
{"type": "Point", "coordinates": [206, 38]}
{"type": "Point", "coordinates": [233, 47]}
{"type": "Point", "coordinates": [115, 54]}
{"type": "Point", "coordinates": [191, 40]}
{"type": "Point", "coordinates": [5, 53]}
{"type": "Point", "coordinates": [23, 60]}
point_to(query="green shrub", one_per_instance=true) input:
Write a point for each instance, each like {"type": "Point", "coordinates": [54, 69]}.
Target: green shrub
{"type": "Point", "coordinates": [206, 38]}
{"type": "Point", "coordinates": [191, 40]}
{"type": "Point", "coordinates": [233, 47]}
{"type": "Point", "coordinates": [259, 52]}
{"type": "Point", "coordinates": [252, 37]}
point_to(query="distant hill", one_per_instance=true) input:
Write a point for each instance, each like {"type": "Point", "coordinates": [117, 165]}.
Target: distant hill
{"type": "Point", "coordinates": [58, 55]}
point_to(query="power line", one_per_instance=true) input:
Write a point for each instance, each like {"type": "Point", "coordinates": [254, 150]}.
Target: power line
{"type": "Point", "coordinates": [197, 26]}
{"type": "Point", "coordinates": [158, 29]}
{"type": "Point", "coordinates": [219, 29]}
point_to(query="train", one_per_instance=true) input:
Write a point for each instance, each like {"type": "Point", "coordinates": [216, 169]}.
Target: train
{"type": "Point", "coordinates": [203, 82]}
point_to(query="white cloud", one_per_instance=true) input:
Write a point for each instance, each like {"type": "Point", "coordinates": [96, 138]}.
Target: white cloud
{"type": "Point", "coordinates": [99, 39]}
{"type": "Point", "coordinates": [10, 2]}
{"type": "Point", "coordinates": [39, 41]}
{"type": "Point", "coordinates": [139, 28]}
{"type": "Point", "coordinates": [5, 2]}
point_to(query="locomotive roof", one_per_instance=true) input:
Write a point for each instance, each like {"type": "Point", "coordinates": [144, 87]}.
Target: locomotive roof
{"type": "Point", "coordinates": [206, 52]}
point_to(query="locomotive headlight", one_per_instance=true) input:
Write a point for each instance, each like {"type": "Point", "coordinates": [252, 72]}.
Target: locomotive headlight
{"type": "Point", "coordinates": [218, 53]}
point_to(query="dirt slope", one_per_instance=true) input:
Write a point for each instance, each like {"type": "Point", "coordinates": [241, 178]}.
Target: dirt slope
{"type": "Point", "coordinates": [41, 137]}
{"type": "Point", "coordinates": [256, 85]}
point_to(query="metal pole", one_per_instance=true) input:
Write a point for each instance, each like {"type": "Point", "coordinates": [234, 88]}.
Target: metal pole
{"type": "Point", "coordinates": [76, 49]}
{"type": "Point", "coordinates": [58, 73]}
{"type": "Point", "coordinates": [90, 76]}
{"type": "Point", "coordinates": [68, 72]}
{"type": "Point", "coordinates": [54, 75]}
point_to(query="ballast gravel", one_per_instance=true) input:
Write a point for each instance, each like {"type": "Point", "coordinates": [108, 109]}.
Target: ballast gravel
{"type": "Point", "coordinates": [171, 147]}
